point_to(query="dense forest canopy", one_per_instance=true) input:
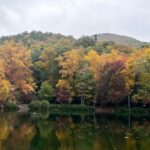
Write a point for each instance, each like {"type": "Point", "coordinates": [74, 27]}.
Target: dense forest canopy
{"type": "Point", "coordinates": [63, 69]}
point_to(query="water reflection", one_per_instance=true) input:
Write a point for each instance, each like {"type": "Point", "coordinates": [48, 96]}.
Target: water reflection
{"type": "Point", "coordinates": [42, 131]}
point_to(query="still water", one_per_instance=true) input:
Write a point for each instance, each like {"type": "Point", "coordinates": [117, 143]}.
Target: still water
{"type": "Point", "coordinates": [42, 131]}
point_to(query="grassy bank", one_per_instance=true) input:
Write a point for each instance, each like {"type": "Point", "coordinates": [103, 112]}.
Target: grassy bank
{"type": "Point", "coordinates": [71, 109]}
{"type": "Point", "coordinates": [134, 112]}
{"type": "Point", "coordinates": [60, 108]}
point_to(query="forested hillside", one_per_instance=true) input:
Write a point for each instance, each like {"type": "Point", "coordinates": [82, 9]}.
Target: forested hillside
{"type": "Point", "coordinates": [62, 69]}
{"type": "Point", "coordinates": [120, 39]}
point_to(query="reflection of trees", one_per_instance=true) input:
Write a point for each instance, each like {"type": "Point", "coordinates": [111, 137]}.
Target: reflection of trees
{"type": "Point", "coordinates": [113, 134]}
{"type": "Point", "coordinates": [130, 141]}
{"type": "Point", "coordinates": [74, 136]}
{"type": "Point", "coordinates": [7, 121]}
{"type": "Point", "coordinates": [4, 130]}
{"type": "Point", "coordinates": [65, 133]}
{"type": "Point", "coordinates": [85, 136]}
{"type": "Point", "coordinates": [18, 130]}
{"type": "Point", "coordinates": [44, 114]}
{"type": "Point", "coordinates": [21, 136]}
{"type": "Point", "coordinates": [45, 138]}
{"type": "Point", "coordinates": [142, 134]}
{"type": "Point", "coordinates": [45, 128]}
{"type": "Point", "coordinates": [110, 135]}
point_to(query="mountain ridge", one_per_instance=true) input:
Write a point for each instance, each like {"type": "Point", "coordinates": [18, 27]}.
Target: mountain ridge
{"type": "Point", "coordinates": [102, 37]}
{"type": "Point", "coordinates": [119, 39]}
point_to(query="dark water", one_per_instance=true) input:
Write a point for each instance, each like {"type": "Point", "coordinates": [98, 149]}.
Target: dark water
{"type": "Point", "coordinates": [43, 131]}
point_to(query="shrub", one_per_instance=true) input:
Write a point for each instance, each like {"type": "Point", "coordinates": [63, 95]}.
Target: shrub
{"type": "Point", "coordinates": [44, 105]}
{"type": "Point", "coordinates": [46, 91]}
{"type": "Point", "coordinates": [11, 105]}
{"type": "Point", "coordinates": [55, 106]}
{"type": "Point", "coordinates": [35, 105]}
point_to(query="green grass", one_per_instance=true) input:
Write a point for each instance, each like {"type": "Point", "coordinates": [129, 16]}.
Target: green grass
{"type": "Point", "coordinates": [63, 108]}
{"type": "Point", "coordinates": [71, 109]}
{"type": "Point", "coordinates": [135, 112]}
{"type": "Point", "coordinates": [66, 107]}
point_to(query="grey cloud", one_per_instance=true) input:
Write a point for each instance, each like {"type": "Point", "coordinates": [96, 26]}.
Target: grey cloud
{"type": "Point", "coordinates": [77, 17]}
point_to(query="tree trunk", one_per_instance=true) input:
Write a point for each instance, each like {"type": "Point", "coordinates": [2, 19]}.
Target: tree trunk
{"type": "Point", "coordinates": [94, 103]}
{"type": "Point", "coordinates": [129, 101]}
{"type": "Point", "coordinates": [129, 121]}
{"type": "Point", "coordinates": [82, 100]}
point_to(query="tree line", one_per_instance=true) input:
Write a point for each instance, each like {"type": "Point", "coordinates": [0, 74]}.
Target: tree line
{"type": "Point", "coordinates": [62, 69]}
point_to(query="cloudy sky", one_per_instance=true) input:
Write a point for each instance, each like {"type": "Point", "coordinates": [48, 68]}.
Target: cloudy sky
{"type": "Point", "coordinates": [76, 17]}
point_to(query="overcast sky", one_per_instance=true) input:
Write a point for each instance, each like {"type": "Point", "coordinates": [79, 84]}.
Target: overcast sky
{"type": "Point", "coordinates": [77, 17]}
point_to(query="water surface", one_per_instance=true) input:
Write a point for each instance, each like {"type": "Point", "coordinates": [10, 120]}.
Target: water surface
{"type": "Point", "coordinates": [42, 131]}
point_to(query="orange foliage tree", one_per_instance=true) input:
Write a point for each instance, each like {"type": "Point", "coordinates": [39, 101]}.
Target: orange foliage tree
{"type": "Point", "coordinates": [16, 71]}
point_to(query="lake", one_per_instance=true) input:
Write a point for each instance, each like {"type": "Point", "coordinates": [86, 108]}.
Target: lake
{"type": "Point", "coordinates": [43, 131]}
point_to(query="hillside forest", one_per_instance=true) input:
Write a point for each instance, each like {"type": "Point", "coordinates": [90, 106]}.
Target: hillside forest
{"type": "Point", "coordinates": [62, 69]}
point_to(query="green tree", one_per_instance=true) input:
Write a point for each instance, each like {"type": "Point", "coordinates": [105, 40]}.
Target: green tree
{"type": "Point", "coordinates": [85, 42]}
{"type": "Point", "coordinates": [46, 91]}
{"type": "Point", "coordinates": [85, 84]}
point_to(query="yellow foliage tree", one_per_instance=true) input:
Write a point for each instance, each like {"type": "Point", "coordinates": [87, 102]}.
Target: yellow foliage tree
{"type": "Point", "coordinates": [5, 86]}
{"type": "Point", "coordinates": [64, 91]}
{"type": "Point", "coordinates": [136, 72]}
{"type": "Point", "coordinates": [15, 69]}
{"type": "Point", "coordinates": [69, 63]}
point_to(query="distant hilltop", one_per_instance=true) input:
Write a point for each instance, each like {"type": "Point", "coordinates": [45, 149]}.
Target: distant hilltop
{"type": "Point", "coordinates": [38, 36]}
{"type": "Point", "coordinates": [119, 39]}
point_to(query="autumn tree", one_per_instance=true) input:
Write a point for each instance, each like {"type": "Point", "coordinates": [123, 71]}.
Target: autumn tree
{"type": "Point", "coordinates": [111, 86]}
{"type": "Point", "coordinates": [142, 71]}
{"type": "Point", "coordinates": [69, 64]}
{"type": "Point", "coordinates": [107, 70]}
{"type": "Point", "coordinates": [137, 76]}
{"type": "Point", "coordinates": [64, 91]}
{"type": "Point", "coordinates": [16, 61]}
{"type": "Point", "coordinates": [47, 67]}
{"type": "Point", "coordinates": [130, 75]}
{"type": "Point", "coordinates": [5, 86]}
{"type": "Point", "coordinates": [95, 63]}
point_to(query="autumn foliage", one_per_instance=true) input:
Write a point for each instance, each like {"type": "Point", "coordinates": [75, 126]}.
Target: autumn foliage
{"type": "Point", "coordinates": [15, 74]}
{"type": "Point", "coordinates": [66, 70]}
